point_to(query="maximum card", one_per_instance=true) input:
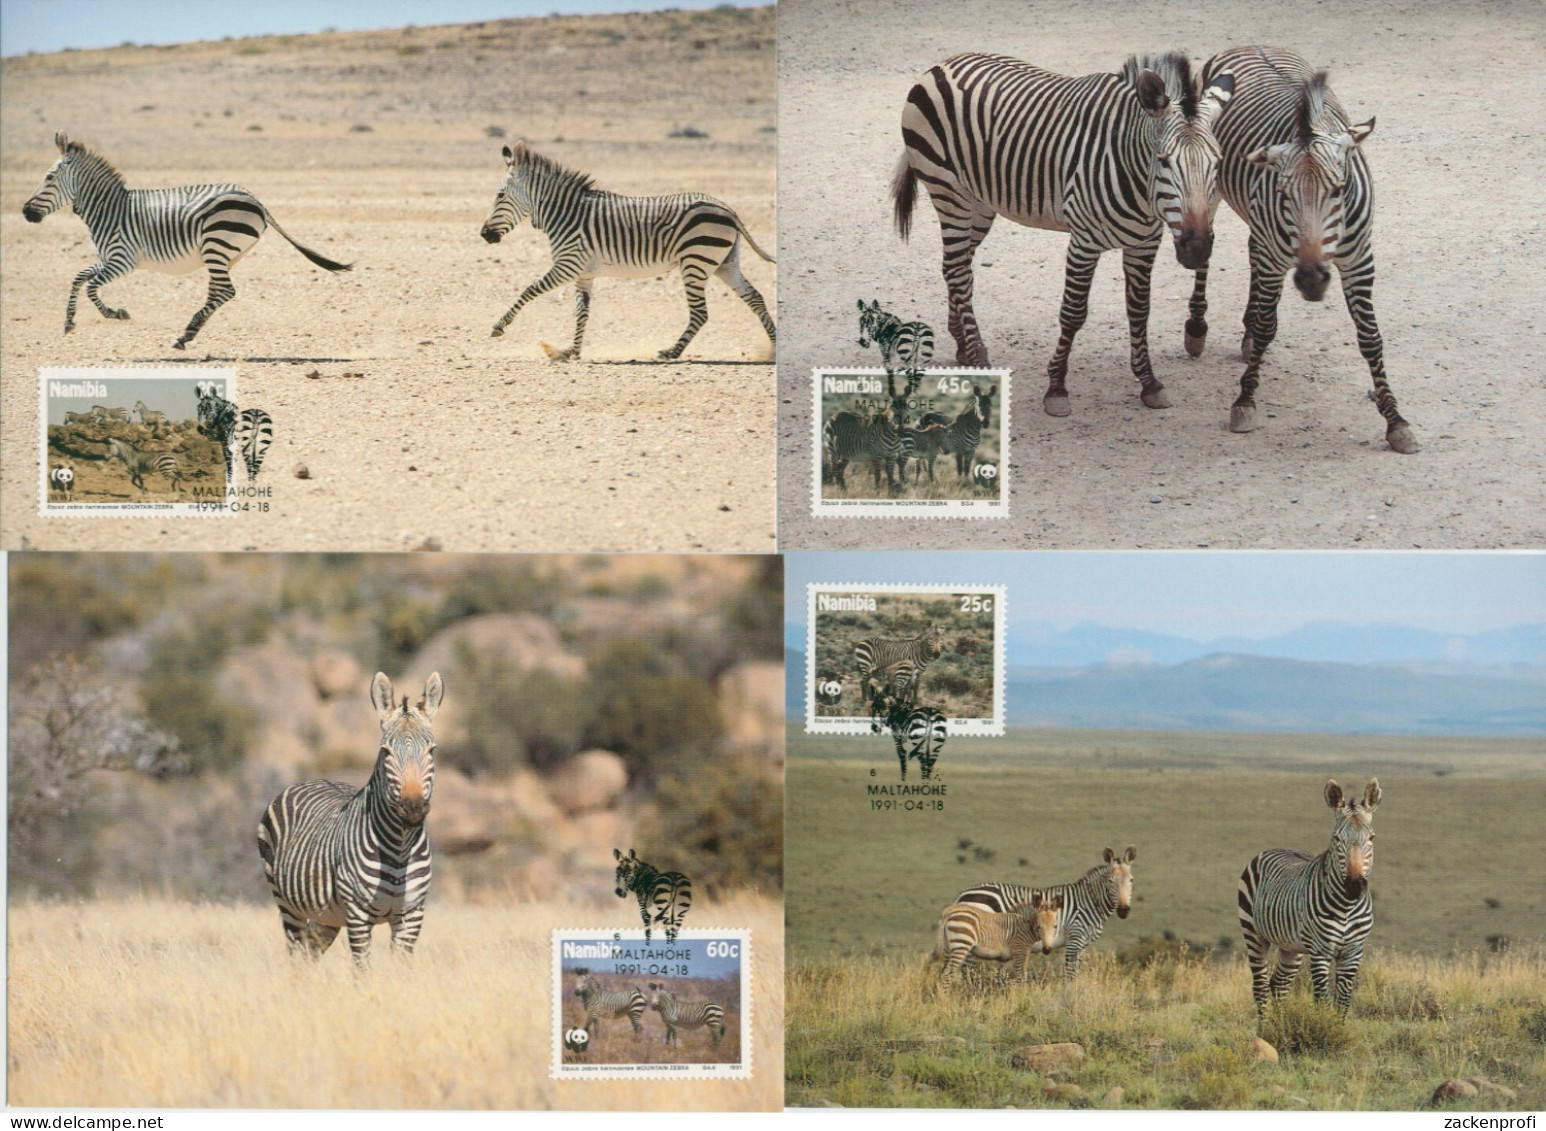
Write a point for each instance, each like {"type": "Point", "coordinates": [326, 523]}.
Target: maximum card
{"type": "Point", "coordinates": [871, 647]}
{"type": "Point", "coordinates": [932, 446]}
{"type": "Point", "coordinates": [624, 1006]}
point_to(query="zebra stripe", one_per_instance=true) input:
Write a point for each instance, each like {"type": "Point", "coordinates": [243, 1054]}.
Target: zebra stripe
{"type": "Point", "coordinates": [664, 897]}
{"type": "Point", "coordinates": [1317, 905]}
{"type": "Point", "coordinates": [904, 345]}
{"type": "Point", "coordinates": [338, 857]}
{"type": "Point", "coordinates": [1113, 160]}
{"type": "Point", "coordinates": [919, 732]}
{"type": "Point", "coordinates": [138, 463]}
{"type": "Point", "coordinates": [172, 230]}
{"type": "Point", "coordinates": [902, 661]}
{"type": "Point", "coordinates": [601, 1003]}
{"type": "Point", "coordinates": [591, 232]}
{"type": "Point", "coordinates": [103, 413]}
{"type": "Point", "coordinates": [686, 1014]}
{"type": "Point", "coordinates": [963, 432]}
{"type": "Point", "coordinates": [881, 438]}
{"type": "Point", "coordinates": [927, 442]}
{"type": "Point", "coordinates": [254, 433]}
{"type": "Point", "coordinates": [1087, 903]}
{"type": "Point", "coordinates": [973, 931]}
{"type": "Point", "coordinates": [217, 420]}
{"type": "Point", "coordinates": [1293, 169]}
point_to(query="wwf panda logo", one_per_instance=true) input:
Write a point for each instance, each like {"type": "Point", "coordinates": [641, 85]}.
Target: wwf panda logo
{"type": "Point", "coordinates": [62, 479]}
{"type": "Point", "coordinates": [829, 692]}
{"type": "Point", "coordinates": [576, 1040]}
{"type": "Point", "coordinates": [985, 475]}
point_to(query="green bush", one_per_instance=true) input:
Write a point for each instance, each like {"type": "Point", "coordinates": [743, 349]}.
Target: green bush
{"type": "Point", "coordinates": [517, 718]}
{"type": "Point", "coordinates": [178, 686]}
{"type": "Point", "coordinates": [722, 824]}
{"type": "Point", "coordinates": [1300, 1024]}
{"type": "Point", "coordinates": [647, 711]}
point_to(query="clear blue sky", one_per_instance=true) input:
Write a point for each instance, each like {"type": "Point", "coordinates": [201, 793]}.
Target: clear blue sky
{"type": "Point", "coordinates": [52, 25]}
{"type": "Point", "coordinates": [1204, 595]}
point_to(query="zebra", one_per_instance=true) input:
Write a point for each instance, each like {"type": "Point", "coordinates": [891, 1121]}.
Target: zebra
{"type": "Point", "coordinates": [253, 434]}
{"type": "Point", "coordinates": [1316, 905]}
{"type": "Point", "coordinates": [138, 463]}
{"type": "Point", "coordinates": [919, 732]}
{"type": "Point", "coordinates": [80, 417]}
{"type": "Point", "coordinates": [882, 438]}
{"type": "Point", "coordinates": [62, 479]}
{"type": "Point", "coordinates": [973, 931]}
{"type": "Point", "coordinates": [686, 1014]}
{"type": "Point", "coordinates": [927, 441]}
{"type": "Point", "coordinates": [338, 857]}
{"type": "Point", "coordinates": [902, 661]}
{"type": "Point", "coordinates": [592, 232]}
{"type": "Point", "coordinates": [104, 414]}
{"type": "Point", "coordinates": [668, 894]}
{"type": "Point", "coordinates": [171, 230]}
{"type": "Point", "coordinates": [601, 1003]}
{"type": "Point", "coordinates": [155, 422]}
{"type": "Point", "coordinates": [1112, 159]}
{"type": "Point", "coordinates": [910, 344]}
{"type": "Point", "coordinates": [963, 432]}
{"type": "Point", "coordinates": [217, 420]}
{"type": "Point", "coordinates": [1087, 903]}
{"type": "Point", "coordinates": [1293, 169]}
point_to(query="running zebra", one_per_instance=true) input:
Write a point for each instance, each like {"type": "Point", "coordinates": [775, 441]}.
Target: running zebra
{"type": "Point", "coordinates": [667, 894]}
{"type": "Point", "coordinates": [338, 857]}
{"type": "Point", "coordinates": [104, 414]}
{"type": "Point", "coordinates": [218, 421]}
{"type": "Point", "coordinates": [919, 732]}
{"type": "Point", "coordinates": [172, 230]}
{"type": "Point", "coordinates": [963, 433]}
{"type": "Point", "coordinates": [1316, 905]}
{"type": "Point", "coordinates": [1087, 903]}
{"type": "Point", "coordinates": [80, 418]}
{"type": "Point", "coordinates": [138, 463]}
{"type": "Point", "coordinates": [253, 435]}
{"type": "Point", "coordinates": [1112, 159]}
{"type": "Point", "coordinates": [973, 931]}
{"type": "Point", "coordinates": [686, 1014]}
{"type": "Point", "coordinates": [1293, 169]}
{"type": "Point", "coordinates": [881, 438]}
{"type": "Point", "coordinates": [592, 232]}
{"type": "Point", "coordinates": [909, 345]}
{"type": "Point", "coordinates": [155, 421]}
{"type": "Point", "coordinates": [902, 661]}
{"type": "Point", "coordinates": [601, 1003]}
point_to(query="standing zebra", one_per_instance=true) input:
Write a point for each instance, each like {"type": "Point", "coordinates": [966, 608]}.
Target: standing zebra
{"type": "Point", "coordinates": [974, 931]}
{"type": "Point", "coordinates": [254, 433]}
{"type": "Point", "coordinates": [338, 857]}
{"type": "Point", "coordinates": [902, 661]}
{"type": "Point", "coordinates": [592, 232]}
{"type": "Point", "coordinates": [601, 1003]}
{"type": "Point", "coordinates": [925, 442]}
{"type": "Point", "coordinates": [218, 421]}
{"type": "Point", "coordinates": [172, 230]}
{"type": "Point", "coordinates": [1316, 905]}
{"type": "Point", "coordinates": [919, 732]}
{"type": "Point", "coordinates": [908, 344]}
{"type": "Point", "coordinates": [964, 432]}
{"type": "Point", "coordinates": [881, 438]}
{"type": "Point", "coordinates": [667, 894]}
{"type": "Point", "coordinates": [1293, 168]}
{"type": "Point", "coordinates": [686, 1014]}
{"type": "Point", "coordinates": [138, 463]}
{"type": "Point", "coordinates": [1111, 159]}
{"type": "Point", "coordinates": [1087, 903]}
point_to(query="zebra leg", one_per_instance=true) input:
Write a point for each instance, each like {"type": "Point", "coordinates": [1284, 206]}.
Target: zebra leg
{"type": "Point", "coordinates": [1079, 272]}
{"type": "Point", "coordinates": [1284, 973]}
{"type": "Point", "coordinates": [565, 271]}
{"type": "Point", "coordinates": [1320, 976]}
{"type": "Point", "coordinates": [1347, 974]}
{"type": "Point", "coordinates": [358, 923]}
{"type": "Point", "coordinates": [108, 271]}
{"type": "Point", "coordinates": [962, 229]}
{"type": "Point", "coordinates": [582, 289]}
{"type": "Point", "coordinates": [405, 929]}
{"type": "Point", "coordinates": [693, 280]}
{"type": "Point", "coordinates": [1137, 266]}
{"type": "Point", "coordinates": [1197, 324]}
{"type": "Point", "coordinates": [1071, 960]}
{"type": "Point", "coordinates": [1261, 316]}
{"type": "Point", "coordinates": [1358, 290]}
{"type": "Point", "coordinates": [221, 291]}
{"type": "Point", "coordinates": [76, 283]}
{"type": "Point", "coordinates": [901, 753]}
{"type": "Point", "coordinates": [730, 272]}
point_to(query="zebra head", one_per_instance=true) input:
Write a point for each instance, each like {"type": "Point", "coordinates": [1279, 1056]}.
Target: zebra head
{"type": "Point", "coordinates": [871, 318]}
{"type": "Point", "coordinates": [406, 761]}
{"type": "Point", "coordinates": [1311, 173]}
{"type": "Point", "coordinates": [1351, 854]}
{"type": "Point", "coordinates": [1184, 172]}
{"type": "Point", "coordinates": [934, 640]}
{"type": "Point", "coordinates": [629, 868]}
{"type": "Point", "coordinates": [984, 403]}
{"type": "Point", "coordinates": [659, 997]}
{"type": "Point", "coordinates": [60, 183]}
{"type": "Point", "coordinates": [1120, 879]}
{"type": "Point", "coordinates": [512, 203]}
{"type": "Point", "coordinates": [1046, 919]}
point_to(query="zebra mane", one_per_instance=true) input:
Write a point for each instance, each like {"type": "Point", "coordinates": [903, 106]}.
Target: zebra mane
{"type": "Point", "coordinates": [1312, 105]}
{"type": "Point", "coordinates": [1174, 70]}
{"type": "Point", "coordinates": [91, 159]}
{"type": "Point", "coordinates": [532, 160]}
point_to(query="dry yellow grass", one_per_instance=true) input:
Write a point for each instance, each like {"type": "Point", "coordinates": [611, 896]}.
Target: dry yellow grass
{"type": "Point", "coordinates": [156, 1003]}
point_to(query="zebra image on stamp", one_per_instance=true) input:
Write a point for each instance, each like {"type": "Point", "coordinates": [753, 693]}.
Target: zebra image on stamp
{"type": "Point", "coordinates": [915, 661]}
{"type": "Point", "coordinates": [627, 1006]}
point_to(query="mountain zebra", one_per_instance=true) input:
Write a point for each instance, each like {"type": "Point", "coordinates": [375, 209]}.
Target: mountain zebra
{"type": "Point", "coordinates": [601, 1003]}
{"type": "Point", "coordinates": [686, 1014]}
{"type": "Point", "coordinates": [155, 421]}
{"type": "Point", "coordinates": [1293, 169]}
{"type": "Point", "coordinates": [881, 438]}
{"type": "Point", "coordinates": [925, 443]}
{"type": "Point", "coordinates": [254, 433]}
{"type": "Point", "coordinates": [669, 894]}
{"type": "Point", "coordinates": [1112, 159]}
{"type": "Point", "coordinates": [138, 463]}
{"type": "Point", "coordinates": [218, 421]}
{"type": "Point", "coordinates": [338, 857]}
{"type": "Point", "coordinates": [964, 432]}
{"type": "Point", "coordinates": [1087, 903]}
{"type": "Point", "coordinates": [919, 732]}
{"type": "Point", "coordinates": [908, 344]}
{"type": "Point", "coordinates": [591, 232]}
{"type": "Point", "coordinates": [80, 417]}
{"type": "Point", "coordinates": [973, 931]}
{"type": "Point", "coordinates": [103, 413]}
{"type": "Point", "coordinates": [902, 661]}
{"type": "Point", "coordinates": [1316, 905]}
{"type": "Point", "coordinates": [171, 230]}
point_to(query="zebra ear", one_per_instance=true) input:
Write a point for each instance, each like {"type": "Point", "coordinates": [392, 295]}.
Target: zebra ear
{"type": "Point", "coordinates": [1333, 795]}
{"type": "Point", "coordinates": [62, 142]}
{"type": "Point", "coordinates": [1110, 854]}
{"type": "Point", "coordinates": [1132, 854]}
{"type": "Point", "coordinates": [1151, 93]}
{"type": "Point", "coordinates": [433, 690]}
{"type": "Point", "coordinates": [1355, 134]}
{"type": "Point", "coordinates": [507, 155]}
{"type": "Point", "coordinates": [1267, 155]}
{"type": "Point", "coordinates": [616, 855]}
{"type": "Point", "coordinates": [381, 695]}
{"type": "Point", "coordinates": [1372, 795]}
{"type": "Point", "coordinates": [1216, 97]}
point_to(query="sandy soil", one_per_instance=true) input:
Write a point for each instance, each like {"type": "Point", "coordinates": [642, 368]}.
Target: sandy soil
{"type": "Point", "coordinates": [417, 427]}
{"type": "Point", "coordinates": [1458, 241]}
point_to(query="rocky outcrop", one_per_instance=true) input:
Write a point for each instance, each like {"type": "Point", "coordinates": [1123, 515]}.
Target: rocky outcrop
{"type": "Point", "coordinates": [592, 779]}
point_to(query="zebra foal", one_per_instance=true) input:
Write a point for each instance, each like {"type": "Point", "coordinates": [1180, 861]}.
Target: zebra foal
{"type": "Point", "coordinates": [902, 662]}
{"type": "Point", "coordinates": [973, 931]}
{"type": "Point", "coordinates": [337, 857]}
{"type": "Point", "coordinates": [592, 232]}
{"type": "Point", "coordinates": [686, 1014]}
{"type": "Point", "coordinates": [963, 432]}
{"type": "Point", "coordinates": [599, 1002]}
{"type": "Point", "coordinates": [172, 230]}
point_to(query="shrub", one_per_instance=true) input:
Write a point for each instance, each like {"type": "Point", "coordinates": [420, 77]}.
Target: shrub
{"type": "Point", "coordinates": [719, 825]}
{"type": "Point", "coordinates": [517, 718]}
{"type": "Point", "coordinates": [1218, 1091]}
{"type": "Point", "coordinates": [648, 712]}
{"type": "Point", "coordinates": [178, 686]}
{"type": "Point", "coordinates": [1300, 1024]}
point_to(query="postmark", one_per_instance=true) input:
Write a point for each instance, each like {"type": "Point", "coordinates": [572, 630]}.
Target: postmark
{"type": "Point", "coordinates": [929, 443]}
{"type": "Point", "coordinates": [932, 652]}
{"type": "Point", "coordinates": [627, 1007]}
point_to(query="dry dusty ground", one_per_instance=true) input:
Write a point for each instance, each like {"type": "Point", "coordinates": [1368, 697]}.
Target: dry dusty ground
{"type": "Point", "coordinates": [372, 148]}
{"type": "Point", "coordinates": [1458, 240]}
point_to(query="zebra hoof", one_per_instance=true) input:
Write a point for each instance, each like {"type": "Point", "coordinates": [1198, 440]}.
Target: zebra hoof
{"type": "Point", "coordinates": [1401, 439]}
{"type": "Point", "coordinates": [1155, 397]}
{"type": "Point", "coordinates": [668, 355]}
{"type": "Point", "coordinates": [499, 332]}
{"type": "Point", "coordinates": [119, 315]}
{"type": "Point", "coordinates": [1055, 403]}
{"type": "Point", "coordinates": [179, 344]}
{"type": "Point", "coordinates": [68, 326]}
{"type": "Point", "coordinates": [1196, 337]}
{"type": "Point", "coordinates": [1242, 417]}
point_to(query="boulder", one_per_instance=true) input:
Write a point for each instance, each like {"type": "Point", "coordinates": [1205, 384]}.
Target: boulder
{"type": "Point", "coordinates": [1071, 1094]}
{"type": "Point", "coordinates": [1452, 1089]}
{"type": "Point", "coordinates": [751, 703]}
{"type": "Point", "coordinates": [1481, 1084]}
{"type": "Point", "coordinates": [594, 835]}
{"type": "Point", "coordinates": [521, 640]}
{"type": "Point", "coordinates": [1261, 1050]}
{"type": "Point", "coordinates": [338, 674]}
{"type": "Point", "coordinates": [592, 779]}
{"type": "Point", "coordinates": [1113, 1096]}
{"type": "Point", "coordinates": [1048, 1058]}
{"type": "Point", "coordinates": [276, 684]}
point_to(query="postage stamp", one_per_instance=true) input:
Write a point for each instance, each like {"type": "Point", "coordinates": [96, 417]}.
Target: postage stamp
{"type": "Point", "coordinates": [624, 1006]}
{"type": "Point", "coordinates": [876, 651]}
{"type": "Point", "coordinates": [164, 441]}
{"type": "Point", "coordinates": [932, 443]}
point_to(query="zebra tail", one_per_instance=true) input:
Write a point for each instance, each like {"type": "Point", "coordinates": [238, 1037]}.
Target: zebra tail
{"type": "Point", "coordinates": [747, 236]}
{"type": "Point", "coordinates": [904, 192]}
{"type": "Point", "coordinates": [320, 260]}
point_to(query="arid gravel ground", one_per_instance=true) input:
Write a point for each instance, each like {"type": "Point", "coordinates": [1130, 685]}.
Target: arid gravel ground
{"type": "Point", "coordinates": [416, 427]}
{"type": "Point", "coordinates": [1456, 158]}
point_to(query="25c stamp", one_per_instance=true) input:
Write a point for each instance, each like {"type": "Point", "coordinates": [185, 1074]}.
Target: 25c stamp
{"type": "Point", "coordinates": [624, 1007]}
